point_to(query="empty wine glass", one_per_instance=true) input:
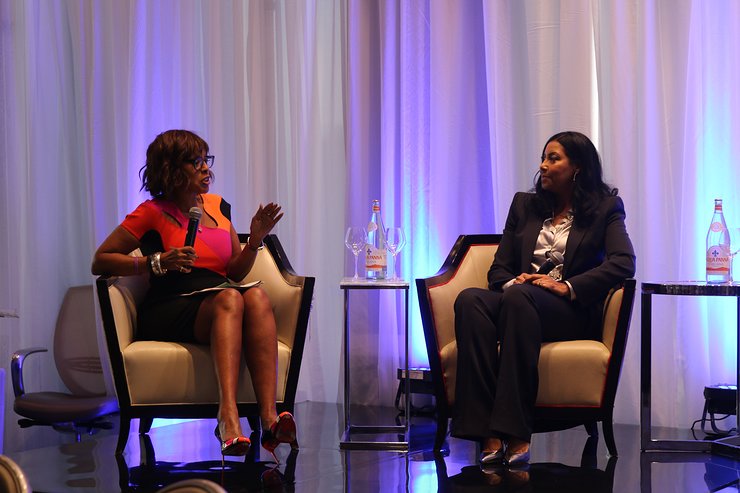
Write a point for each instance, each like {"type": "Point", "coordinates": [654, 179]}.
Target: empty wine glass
{"type": "Point", "coordinates": [395, 240]}
{"type": "Point", "coordinates": [734, 250]}
{"type": "Point", "coordinates": [355, 239]}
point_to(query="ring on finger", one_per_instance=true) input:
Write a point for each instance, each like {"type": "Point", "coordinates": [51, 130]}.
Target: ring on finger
{"type": "Point", "coordinates": [182, 268]}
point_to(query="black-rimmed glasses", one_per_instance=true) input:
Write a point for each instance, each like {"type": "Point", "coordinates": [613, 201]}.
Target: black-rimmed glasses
{"type": "Point", "coordinates": [199, 161]}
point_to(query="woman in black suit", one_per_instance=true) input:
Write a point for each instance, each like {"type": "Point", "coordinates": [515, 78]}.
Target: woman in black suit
{"type": "Point", "coordinates": [570, 212]}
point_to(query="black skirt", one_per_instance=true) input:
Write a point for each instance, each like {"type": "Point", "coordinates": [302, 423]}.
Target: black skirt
{"type": "Point", "coordinates": [167, 315]}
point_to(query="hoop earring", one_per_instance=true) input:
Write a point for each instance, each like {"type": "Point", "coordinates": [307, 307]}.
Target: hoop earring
{"type": "Point", "coordinates": [574, 175]}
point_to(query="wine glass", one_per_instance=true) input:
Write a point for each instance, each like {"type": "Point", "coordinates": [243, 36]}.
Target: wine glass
{"type": "Point", "coordinates": [355, 239]}
{"type": "Point", "coordinates": [395, 240]}
{"type": "Point", "coordinates": [734, 250]}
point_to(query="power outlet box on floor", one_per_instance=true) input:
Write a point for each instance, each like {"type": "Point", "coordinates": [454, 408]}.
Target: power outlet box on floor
{"type": "Point", "coordinates": [420, 382]}
{"type": "Point", "coordinates": [721, 399]}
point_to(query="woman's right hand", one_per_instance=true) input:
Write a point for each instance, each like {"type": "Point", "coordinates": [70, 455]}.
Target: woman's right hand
{"type": "Point", "coordinates": [178, 258]}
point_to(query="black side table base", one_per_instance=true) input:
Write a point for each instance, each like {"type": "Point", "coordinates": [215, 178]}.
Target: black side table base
{"type": "Point", "coordinates": [659, 445]}
{"type": "Point", "coordinates": [401, 445]}
{"type": "Point", "coordinates": [728, 446]}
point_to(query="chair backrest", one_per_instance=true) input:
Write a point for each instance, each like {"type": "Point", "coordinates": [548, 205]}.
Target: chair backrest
{"type": "Point", "coordinates": [466, 266]}
{"type": "Point", "coordinates": [470, 272]}
{"type": "Point", "coordinates": [76, 352]}
{"type": "Point", "coordinates": [125, 294]}
{"type": "Point", "coordinates": [281, 285]}
{"type": "Point", "coordinates": [617, 316]}
{"type": "Point", "coordinates": [612, 306]}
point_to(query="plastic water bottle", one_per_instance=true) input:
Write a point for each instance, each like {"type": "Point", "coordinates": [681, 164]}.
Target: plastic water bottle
{"type": "Point", "coordinates": [718, 247]}
{"type": "Point", "coordinates": [376, 258]}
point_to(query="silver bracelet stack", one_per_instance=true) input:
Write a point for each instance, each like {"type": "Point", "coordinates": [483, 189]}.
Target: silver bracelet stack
{"type": "Point", "coordinates": [156, 265]}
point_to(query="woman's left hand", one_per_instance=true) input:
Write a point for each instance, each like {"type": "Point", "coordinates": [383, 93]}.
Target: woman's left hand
{"type": "Point", "coordinates": [263, 221]}
{"type": "Point", "coordinates": [550, 284]}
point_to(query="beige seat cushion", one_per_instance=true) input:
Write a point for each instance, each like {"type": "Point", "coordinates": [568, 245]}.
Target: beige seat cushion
{"type": "Point", "coordinates": [572, 373]}
{"type": "Point", "coordinates": [170, 373]}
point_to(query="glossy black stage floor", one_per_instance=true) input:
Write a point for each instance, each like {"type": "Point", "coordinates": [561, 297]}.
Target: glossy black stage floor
{"type": "Point", "coordinates": [565, 461]}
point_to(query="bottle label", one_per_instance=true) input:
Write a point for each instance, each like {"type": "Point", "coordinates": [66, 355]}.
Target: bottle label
{"type": "Point", "coordinates": [716, 227]}
{"type": "Point", "coordinates": [718, 259]}
{"type": "Point", "coordinates": [375, 258]}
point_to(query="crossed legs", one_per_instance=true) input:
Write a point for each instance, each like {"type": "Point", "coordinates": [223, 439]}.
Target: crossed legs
{"type": "Point", "coordinates": [234, 322]}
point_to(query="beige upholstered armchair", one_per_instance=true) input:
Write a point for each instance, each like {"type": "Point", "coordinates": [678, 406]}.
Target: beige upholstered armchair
{"type": "Point", "coordinates": [177, 380]}
{"type": "Point", "coordinates": [578, 379]}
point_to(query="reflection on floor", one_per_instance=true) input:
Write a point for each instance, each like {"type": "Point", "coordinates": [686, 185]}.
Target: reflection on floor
{"type": "Point", "coordinates": [565, 461]}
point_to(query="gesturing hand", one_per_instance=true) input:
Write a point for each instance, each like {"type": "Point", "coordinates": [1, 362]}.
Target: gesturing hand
{"type": "Point", "coordinates": [263, 221]}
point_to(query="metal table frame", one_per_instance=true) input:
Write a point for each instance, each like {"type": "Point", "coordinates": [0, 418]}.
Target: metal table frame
{"type": "Point", "coordinates": [348, 284]}
{"type": "Point", "coordinates": [676, 288]}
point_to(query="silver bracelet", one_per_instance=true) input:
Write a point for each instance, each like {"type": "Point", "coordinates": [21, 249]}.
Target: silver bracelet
{"type": "Point", "coordinates": [156, 264]}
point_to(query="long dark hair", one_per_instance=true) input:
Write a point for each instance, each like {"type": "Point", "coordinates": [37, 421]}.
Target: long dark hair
{"type": "Point", "coordinates": [589, 189]}
{"type": "Point", "coordinates": [163, 172]}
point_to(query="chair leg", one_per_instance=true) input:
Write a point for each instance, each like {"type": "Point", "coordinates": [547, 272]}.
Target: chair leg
{"type": "Point", "coordinates": [611, 445]}
{"type": "Point", "coordinates": [439, 438]}
{"type": "Point", "coordinates": [123, 431]}
{"type": "Point", "coordinates": [145, 424]}
{"type": "Point", "coordinates": [588, 456]}
{"type": "Point", "coordinates": [146, 451]}
{"type": "Point", "coordinates": [254, 423]}
{"type": "Point", "coordinates": [591, 428]}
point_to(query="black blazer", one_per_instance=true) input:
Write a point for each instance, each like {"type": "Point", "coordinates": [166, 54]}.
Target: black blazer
{"type": "Point", "coordinates": [597, 257]}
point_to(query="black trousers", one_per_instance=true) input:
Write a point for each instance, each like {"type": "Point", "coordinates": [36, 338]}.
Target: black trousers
{"type": "Point", "coordinates": [496, 387]}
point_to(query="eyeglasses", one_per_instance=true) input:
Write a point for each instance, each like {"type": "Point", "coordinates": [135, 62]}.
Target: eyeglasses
{"type": "Point", "coordinates": [198, 162]}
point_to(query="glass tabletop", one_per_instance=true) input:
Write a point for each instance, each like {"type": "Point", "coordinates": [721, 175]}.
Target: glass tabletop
{"type": "Point", "coordinates": [691, 288]}
{"type": "Point", "coordinates": [361, 283]}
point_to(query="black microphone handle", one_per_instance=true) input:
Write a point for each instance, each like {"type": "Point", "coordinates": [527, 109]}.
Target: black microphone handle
{"type": "Point", "coordinates": [192, 230]}
{"type": "Point", "coordinates": [546, 267]}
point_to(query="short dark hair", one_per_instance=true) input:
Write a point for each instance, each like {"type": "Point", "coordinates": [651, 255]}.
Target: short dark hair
{"type": "Point", "coordinates": [589, 185]}
{"type": "Point", "coordinates": [163, 174]}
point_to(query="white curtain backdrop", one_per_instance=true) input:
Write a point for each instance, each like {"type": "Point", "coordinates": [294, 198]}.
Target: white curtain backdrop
{"type": "Point", "coordinates": [438, 108]}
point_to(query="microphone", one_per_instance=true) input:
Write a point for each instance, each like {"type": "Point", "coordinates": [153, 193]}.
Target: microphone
{"type": "Point", "coordinates": [194, 214]}
{"type": "Point", "coordinates": [554, 259]}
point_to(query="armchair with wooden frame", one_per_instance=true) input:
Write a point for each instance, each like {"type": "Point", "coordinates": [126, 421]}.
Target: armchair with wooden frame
{"type": "Point", "coordinates": [155, 379]}
{"type": "Point", "coordinates": [577, 379]}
